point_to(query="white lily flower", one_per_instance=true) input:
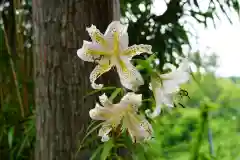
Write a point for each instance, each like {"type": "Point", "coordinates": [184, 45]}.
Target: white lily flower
{"type": "Point", "coordinates": [165, 86]}
{"type": "Point", "coordinates": [111, 50]}
{"type": "Point", "coordinates": [123, 114]}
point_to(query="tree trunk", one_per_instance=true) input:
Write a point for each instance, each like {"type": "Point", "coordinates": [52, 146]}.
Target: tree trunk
{"type": "Point", "coordinates": [61, 78]}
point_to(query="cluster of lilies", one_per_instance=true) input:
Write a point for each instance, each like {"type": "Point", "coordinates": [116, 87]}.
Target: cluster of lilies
{"type": "Point", "coordinates": [110, 50]}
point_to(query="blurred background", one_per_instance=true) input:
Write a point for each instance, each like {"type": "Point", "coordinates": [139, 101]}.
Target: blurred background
{"type": "Point", "coordinates": [205, 31]}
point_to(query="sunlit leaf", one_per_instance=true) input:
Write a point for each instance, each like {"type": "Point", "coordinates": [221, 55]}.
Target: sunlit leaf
{"type": "Point", "coordinates": [115, 93]}
{"type": "Point", "coordinates": [10, 136]}
{"type": "Point", "coordinates": [96, 152]}
{"type": "Point", "coordinates": [107, 147]}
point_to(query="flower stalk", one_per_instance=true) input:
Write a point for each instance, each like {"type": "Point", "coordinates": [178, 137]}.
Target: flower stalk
{"type": "Point", "coordinates": [14, 75]}
{"type": "Point", "coordinates": [200, 133]}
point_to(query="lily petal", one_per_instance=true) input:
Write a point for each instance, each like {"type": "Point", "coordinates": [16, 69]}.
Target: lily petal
{"type": "Point", "coordinates": [177, 76]}
{"type": "Point", "coordinates": [184, 68]}
{"type": "Point", "coordinates": [97, 72]}
{"type": "Point", "coordinates": [180, 75]}
{"type": "Point", "coordinates": [96, 35]}
{"type": "Point", "coordinates": [170, 86]}
{"type": "Point", "coordinates": [104, 131]}
{"type": "Point", "coordinates": [116, 42]}
{"type": "Point", "coordinates": [138, 127]}
{"type": "Point", "coordinates": [91, 52]}
{"type": "Point", "coordinates": [161, 99]}
{"type": "Point", "coordinates": [150, 86]}
{"type": "Point", "coordinates": [146, 126]}
{"type": "Point", "coordinates": [121, 29]}
{"type": "Point", "coordinates": [172, 80]}
{"type": "Point", "coordinates": [105, 138]}
{"type": "Point", "coordinates": [129, 75]}
{"type": "Point", "coordinates": [137, 50]}
{"type": "Point", "coordinates": [115, 26]}
{"type": "Point", "coordinates": [84, 55]}
{"type": "Point", "coordinates": [105, 101]}
{"type": "Point", "coordinates": [184, 65]}
{"type": "Point", "coordinates": [132, 98]}
{"type": "Point", "coordinates": [155, 113]}
{"type": "Point", "coordinates": [131, 127]}
{"type": "Point", "coordinates": [115, 119]}
{"type": "Point", "coordinates": [169, 66]}
{"type": "Point", "coordinates": [157, 110]}
{"type": "Point", "coordinates": [100, 113]}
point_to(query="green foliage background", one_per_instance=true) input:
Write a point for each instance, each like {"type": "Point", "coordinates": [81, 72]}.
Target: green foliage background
{"type": "Point", "coordinates": [177, 131]}
{"type": "Point", "coordinates": [183, 133]}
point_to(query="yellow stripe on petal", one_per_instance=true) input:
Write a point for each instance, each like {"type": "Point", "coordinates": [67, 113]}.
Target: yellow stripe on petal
{"type": "Point", "coordinates": [96, 52]}
{"type": "Point", "coordinates": [129, 75]}
{"type": "Point", "coordinates": [137, 50]}
{"type": "Point", "coordinates": [123, 66]}
{"type": "Point", "coordinates": [97, 72]}
{"type": "Point", "coordinates": [96, 35]}
{"type": "Point", "coordinates": [116, 43]}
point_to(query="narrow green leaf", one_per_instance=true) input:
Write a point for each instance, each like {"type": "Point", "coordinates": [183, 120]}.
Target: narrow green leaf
{"type": "Point", "coordinates": [88, 133]}
{"type": "Point", "coordinates": [97, 151]}
{"type": "Point", "coordinates": [115, 93]}
{"type": "Point", "coordinates": [148, 100]}
{"type": "Point", "coordinates": [91, 124]}
{"type": "Point", "coordinates": [10, 136]}
{"type": "Point", "coordinates": [107, 149]}
{"type": "Point", "coordinates": [23, 144]}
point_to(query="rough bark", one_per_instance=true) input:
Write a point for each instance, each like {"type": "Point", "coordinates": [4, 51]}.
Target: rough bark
{"type": "Point", "coordinates": [61, 78]}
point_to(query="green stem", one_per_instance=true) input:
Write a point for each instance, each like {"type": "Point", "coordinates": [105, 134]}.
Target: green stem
{"type": "Point", "coordinates": [199, 138]}
{"type": "Point", "coordinates": [14, 74]}
{"type": "Point", "coordinates": [210, 141]}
